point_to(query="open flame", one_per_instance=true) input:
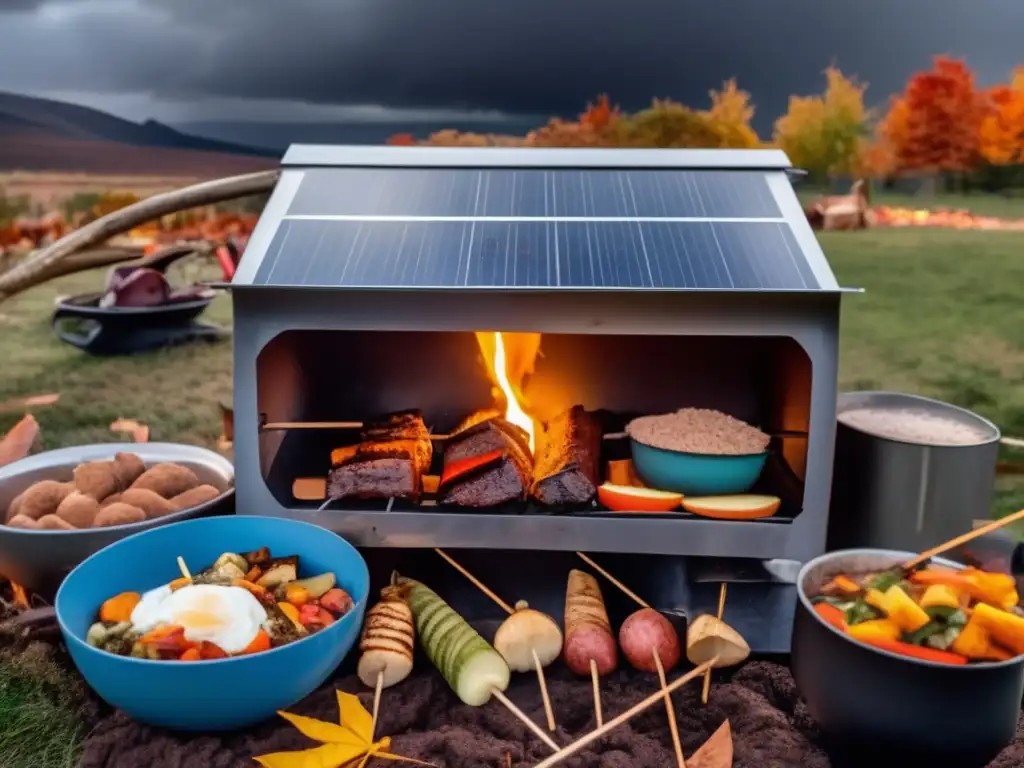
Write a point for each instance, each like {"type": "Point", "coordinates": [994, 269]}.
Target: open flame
{"type": "Point", "coordinates": [510, 358]}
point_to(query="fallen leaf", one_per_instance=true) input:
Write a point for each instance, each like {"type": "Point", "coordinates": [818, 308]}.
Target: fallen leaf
{"type": "Point", "coordinates": [716, 752]}
{"type": "Point", "coordinates": [138, 431]}
{"type": "Point", "coordinates": [21, 403]}
{"type": "Point", "coordinates": [341, 744]}
{"type": "Point", "coordinates": [18, 442]}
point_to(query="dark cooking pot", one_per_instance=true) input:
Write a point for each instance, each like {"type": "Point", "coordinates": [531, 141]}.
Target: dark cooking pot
{"type": "Point", "coordinates": [872, 705]}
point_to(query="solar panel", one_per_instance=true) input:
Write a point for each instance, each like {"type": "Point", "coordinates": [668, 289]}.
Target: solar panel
{"type": "Point", "coordinates": [535, 253]}
{"type": "Point", "coordinates": [406, 192]}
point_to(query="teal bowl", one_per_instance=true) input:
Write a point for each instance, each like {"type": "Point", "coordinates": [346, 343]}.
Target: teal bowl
{"type": "Point", "coordinates": [219, 694]}
{"type": "Point", "coordinates": [696, 474]}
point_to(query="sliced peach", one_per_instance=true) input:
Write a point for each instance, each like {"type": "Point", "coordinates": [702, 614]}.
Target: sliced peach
{"type": "Point", "coordinates": [627, 498]}
{"type": "Point", "coordinates": [739, 507]}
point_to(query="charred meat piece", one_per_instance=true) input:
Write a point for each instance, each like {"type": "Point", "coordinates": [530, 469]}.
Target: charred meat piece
{"type": "Point", "coordinates": [402, 425]}
{"type": "Point", "coordinates": [568, 453]}
{"type": "Point", "coordinates": [378, 471]}
{"type": "Point", "coordinates": [504, 479]}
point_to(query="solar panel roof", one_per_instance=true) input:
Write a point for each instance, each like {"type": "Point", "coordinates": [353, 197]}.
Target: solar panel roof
{"type": "Point", "coordinates": [703, 221]}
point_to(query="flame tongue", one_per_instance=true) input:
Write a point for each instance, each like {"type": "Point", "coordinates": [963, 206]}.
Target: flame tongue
{"type": "Point", "coordinates": [510, 358]}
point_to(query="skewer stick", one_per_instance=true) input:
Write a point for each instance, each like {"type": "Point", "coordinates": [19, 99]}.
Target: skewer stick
{"type": "Point", "coordinates": [476, 582]}
{"type": "Point", "coordinates": [633, 711]}
{"type": "Point", "coordinates": [376, 703]}
{"type": "Point", "coordinates": [963, 539]}
{"type": "Point", "coordinates": [277, 426]}
{"type": "Point", "coordinates": [595, 679]}
{"type": "Point", "coordinates": [549, 713]}
{"type": "Point", "coordinates": [521, 716]}
{"type": "Point", "coordinates": [706, 690]}
{"type": "Point", "coordinates": [548, 710]}
{"type": "Point", "coordinates": [184, 568]}
{"type": "Point", "coordinates": [626, 590]}
{"type": "Point", "coordinates": [673, 728]}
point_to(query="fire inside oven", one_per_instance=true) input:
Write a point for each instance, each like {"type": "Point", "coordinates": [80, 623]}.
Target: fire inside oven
{"type": "Point", "coordinates": [512, 423]}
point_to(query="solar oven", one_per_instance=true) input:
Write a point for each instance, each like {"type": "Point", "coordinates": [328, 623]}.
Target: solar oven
{"type": "Point", "coordinates": [418, 292]}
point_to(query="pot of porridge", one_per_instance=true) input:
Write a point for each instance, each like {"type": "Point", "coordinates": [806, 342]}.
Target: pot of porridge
{"type": "Point", "coordinates": [910, 472]}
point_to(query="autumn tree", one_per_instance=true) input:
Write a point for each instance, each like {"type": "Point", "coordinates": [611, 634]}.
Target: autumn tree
{"type": "Point", "coordinates": [826, 135]}
{"type": "Point", "coordinates": [1001, 132]}
{"type": "Point", "coordinates": [667, 123]}
{"type": "Point", "coordinates": [598, 126]}
{"type": "Point", "coordinates": [730, 116]}
{"type": "Point", "coordinates": [944, 111]}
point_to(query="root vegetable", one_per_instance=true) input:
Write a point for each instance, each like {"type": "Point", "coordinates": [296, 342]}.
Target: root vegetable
{"type": "Point", "coordinates": [469, 664]}
{"type": "Point", "coordinates": [14, 506]}
{"type": "Point", "coordinates": [111, 499]}
{"type": "Point", "coordinates": [119, 608]}
{"type": "Point", "coordinates": [150, 502]}
{"type": "Point", "coordinates": [43, 498]}
{"type": "Point", "coordinates": [387, 641]}
{"type": "Point", "coordinates": [97, 479]}
{"type": "Point", "coordinates": [53, 523]}
{"type": "Point", "coordinates": [128, 468]}
{"type": "Point", "coordinates": [646, 632]}
{"type": "Point", "coordinates": [708, 637]}
{"type": "Point", "coordinates": [524, 633]}
{"type": "Point", "coordinates": [119, 514]}
{"type": "Point", "coordinates": [78, 510]}
{"type": "Point", "coordinates": [588, 633]}
{"type": "Point", "coordinates": [337, 601]}
{"type": "Point", "coordinates": [167, 480]}
{"type": "Point", "coordinates": [194, 497]}
{"type": "Point", "coordinates": [317, 586]}
{"type": "Point", "coordinates": [279, 571]}
{"type": "Point", "coordinates": [22, 521]}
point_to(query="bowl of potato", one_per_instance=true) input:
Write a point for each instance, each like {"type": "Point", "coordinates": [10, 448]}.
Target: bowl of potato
{"type": "Point", "coordinates": [59, 507]}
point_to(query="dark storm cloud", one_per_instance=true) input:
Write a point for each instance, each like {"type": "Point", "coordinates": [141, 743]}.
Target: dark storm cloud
{"type": "Point", "coordinates": [528, 56]}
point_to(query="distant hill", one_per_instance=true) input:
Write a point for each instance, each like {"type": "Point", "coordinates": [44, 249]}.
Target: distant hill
{"type": "Point", "coordinates": [277, 136]}
{"type": "Point", "coordinates": [46, 135]}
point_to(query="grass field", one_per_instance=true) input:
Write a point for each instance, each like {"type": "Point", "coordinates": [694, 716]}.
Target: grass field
{"type": "Point", "coordinates": [941, 316]}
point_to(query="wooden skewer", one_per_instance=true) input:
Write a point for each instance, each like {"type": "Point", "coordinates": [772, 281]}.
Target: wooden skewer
{"type": "Point", "coordinates": [633, 711]}
{"type": "Point", "coordinates": [706, 690]}
{"type": "Point", "coordinates": [626, 590]}
{"type": "Point", "coordinates": [549, 711]}
{"type": "Point", "coordinates": [963, 539]}
{"type": "Point", "coordinates": [596, 679]}
{"type": "Point", "coordinates": [277, 426]}
{"type": "Point", "coordinates": [673, 728]}
{"type": "Point", "coordinates": [476, 582]}
{"type": "Point", "coordinates": [184, 568]}
{"type": "Point", "coordinates": [376, 703]}
{"type": "Point", "coordinates": [537, 730]}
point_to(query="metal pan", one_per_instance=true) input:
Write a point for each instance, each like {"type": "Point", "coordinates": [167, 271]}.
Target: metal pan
{"type": "Point", "coordinates": [39, 560]}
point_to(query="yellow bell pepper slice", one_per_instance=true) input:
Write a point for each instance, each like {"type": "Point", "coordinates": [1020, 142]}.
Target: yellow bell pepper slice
{"type": "Point", "coordinates": [940, 596]}
{"type": "Point", "coordinates": [1006, 628]}
{"type": "Point", "coordinates": [904, 611]}
{"type": "Point", "coordinates": [876, 629]}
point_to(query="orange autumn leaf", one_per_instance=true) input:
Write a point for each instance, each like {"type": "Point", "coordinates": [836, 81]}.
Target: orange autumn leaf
{"type": "Point", "coordinates": [138, 431]}
{"type": "Point", "coordinates": [28, 402]}
{"type": "Point", "coordinates": [18, 442]}
{"type": "Point", "coordinates": [716, 752]}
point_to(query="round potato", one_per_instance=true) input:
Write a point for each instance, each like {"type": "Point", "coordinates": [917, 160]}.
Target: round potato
{"type": "Point", "coordinates": [646, 632]}
{"type": "Point", "coordinates": [589, 643]}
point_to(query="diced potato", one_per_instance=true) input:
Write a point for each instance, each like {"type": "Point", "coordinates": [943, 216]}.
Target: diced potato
{"type": "Point", "coordinates": [279, 571]}
{"type": "Point", "coordinates": [315, 585]}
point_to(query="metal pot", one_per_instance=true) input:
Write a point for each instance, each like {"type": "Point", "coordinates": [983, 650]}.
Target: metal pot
{"type": "Point", "coordinates": [39, 560]}
{"type": "Point", "coordinates": [896, 494]}
{"type": "Point", "coordinates": [872, 705]}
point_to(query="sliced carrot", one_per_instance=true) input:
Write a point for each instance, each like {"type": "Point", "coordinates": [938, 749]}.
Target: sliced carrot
{"type": "Point", "coordinates": [192, 654]}
{"type": "Point", "coordinates": [256, 589]}
{"type": "Point", "coordinates": [259, 643]}
{"type": "Point", "coordinates": [184, 581]}
{"type": "Point", "coordinates": [162, 633]}
{"type": "Point", "coordinates": [119, 608]}
{"type": "Point", "coordinates": [831, 615]}
{"type": "Point", "coordinates": [945, 576]}
{"type": "Point", "coordinates": [843, 584]}
{"type": "Point", "coordinates": [208, 650]}
{"type": "Point", "coordinates": [254, 574]}
{"type": "Point", "coordinates": [296, 594]}
{"type": "Point", "coordinates": [915, 651]}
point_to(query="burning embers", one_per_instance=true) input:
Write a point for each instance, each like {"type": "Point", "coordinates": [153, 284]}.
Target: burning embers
{"type": "Point", "coordinates": [492, 458]}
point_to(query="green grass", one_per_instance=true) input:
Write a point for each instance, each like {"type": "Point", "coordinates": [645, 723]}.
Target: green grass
{"type": "Point", "coordinates": [941, 316]}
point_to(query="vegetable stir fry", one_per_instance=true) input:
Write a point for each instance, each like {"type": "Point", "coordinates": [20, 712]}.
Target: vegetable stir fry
{"type": "Point", "coordinates": [935, 614]}
{"type": "Point", "coordinates": [242, 604]}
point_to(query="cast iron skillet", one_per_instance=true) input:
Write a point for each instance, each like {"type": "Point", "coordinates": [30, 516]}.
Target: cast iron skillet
{"type": "Point", "coordinates": [877, 708]}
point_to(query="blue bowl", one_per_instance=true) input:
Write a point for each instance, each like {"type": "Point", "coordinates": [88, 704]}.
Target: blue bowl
{"type": "Point", "coordinates": [219, 694]}
{"type": "Point", "coordinates": [696, 474]}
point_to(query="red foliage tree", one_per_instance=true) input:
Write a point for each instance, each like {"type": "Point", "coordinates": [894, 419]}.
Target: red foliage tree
{"type": "Point", "coordinates": [943, 114]}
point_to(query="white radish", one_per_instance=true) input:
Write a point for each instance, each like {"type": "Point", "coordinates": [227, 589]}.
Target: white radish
{"type": "Point", "coordinates": [525, 633]}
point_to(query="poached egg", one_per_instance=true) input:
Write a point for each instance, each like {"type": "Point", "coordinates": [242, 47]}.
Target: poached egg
{"type": "Point", "coordinates": [228, 617]}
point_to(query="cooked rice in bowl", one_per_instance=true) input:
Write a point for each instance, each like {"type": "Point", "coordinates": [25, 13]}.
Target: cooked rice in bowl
{"type": "Point", "coordinates": [699, 430]}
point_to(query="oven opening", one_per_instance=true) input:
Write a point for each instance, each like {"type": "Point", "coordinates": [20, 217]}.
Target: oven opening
{"type": "Point", "coordinates": [512, 423]}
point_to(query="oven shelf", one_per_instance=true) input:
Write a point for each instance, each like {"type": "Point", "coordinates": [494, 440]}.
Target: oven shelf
{"type": "Point", "coordinates": [675, 534]}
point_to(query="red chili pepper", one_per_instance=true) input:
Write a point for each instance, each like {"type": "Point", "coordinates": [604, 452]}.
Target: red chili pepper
{"type": "Point", "coordinates": [456, 469]}
{"type": "Point", "coordinates": [916, 651]}
{"type": "Point", "coordinates": [831, 615]}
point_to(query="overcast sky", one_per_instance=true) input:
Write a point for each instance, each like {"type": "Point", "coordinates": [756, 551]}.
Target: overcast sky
{"type": "Point", "coordinates": [283, 60]}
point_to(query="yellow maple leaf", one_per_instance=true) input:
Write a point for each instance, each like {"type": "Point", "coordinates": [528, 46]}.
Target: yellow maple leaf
{"type": "Point", "coordinates": [341, 744]}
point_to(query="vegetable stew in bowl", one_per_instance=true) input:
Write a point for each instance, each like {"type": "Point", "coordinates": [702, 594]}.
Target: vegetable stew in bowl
{"type": "Point", "coordinates": [933, 613]}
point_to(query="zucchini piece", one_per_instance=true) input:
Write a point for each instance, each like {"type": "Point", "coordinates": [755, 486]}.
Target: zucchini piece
{"type": "Point", "coordinates": [467, 662]}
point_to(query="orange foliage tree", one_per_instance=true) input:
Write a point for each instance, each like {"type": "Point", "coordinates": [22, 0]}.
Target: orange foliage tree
{"type": "Point", "coordinates": [730, 116]}
{"type": "Point", "coordinates": [667, 123]}
{"type": "Point", "coordinates": [598, 126]}
{"type": "Point", "coordinates": [938, 129]}
{"type": "Point", "coordinates": [1001, 133]}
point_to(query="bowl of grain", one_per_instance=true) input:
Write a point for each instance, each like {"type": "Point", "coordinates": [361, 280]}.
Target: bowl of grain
{"type": "Point", "coordinates": [697, 452]}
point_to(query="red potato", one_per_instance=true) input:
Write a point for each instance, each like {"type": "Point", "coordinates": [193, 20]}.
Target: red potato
{"type": "Point", "coordinates": [588, 633]}
{"type": "Point", "coordinates": [645, 632]}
